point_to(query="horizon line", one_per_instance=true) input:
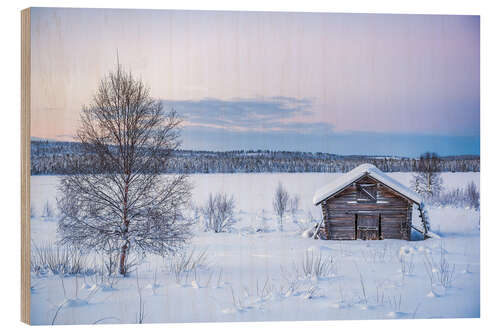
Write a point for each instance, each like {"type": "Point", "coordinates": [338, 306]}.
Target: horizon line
{"type": "Point", "coordinates": [38, 139]}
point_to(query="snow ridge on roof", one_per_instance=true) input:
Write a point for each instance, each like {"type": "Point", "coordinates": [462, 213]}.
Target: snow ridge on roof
{"type": "Point", "coordinates": [348, 178]}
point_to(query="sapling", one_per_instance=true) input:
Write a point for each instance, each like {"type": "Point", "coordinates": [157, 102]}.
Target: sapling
{"type": "Point", "coordinates": [281, 203]}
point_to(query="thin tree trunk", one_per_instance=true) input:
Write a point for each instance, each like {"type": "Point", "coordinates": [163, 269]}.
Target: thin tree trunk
{"type": "Point", "coordinates": [122, 259]}
{"type": "Point", "coordinates": [123, 255]}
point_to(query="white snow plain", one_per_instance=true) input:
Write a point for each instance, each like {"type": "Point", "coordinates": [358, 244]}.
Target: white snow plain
{"type": "Point", "coordinates": [257, 273]}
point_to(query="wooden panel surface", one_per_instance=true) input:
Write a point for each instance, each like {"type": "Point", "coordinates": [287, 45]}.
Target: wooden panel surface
{"type": "Point", "coordinates": [25, 163]}
{"type": "Point", "coordinates": [390, 226]}
{"type": "Point", "coordinates": [341, 227]}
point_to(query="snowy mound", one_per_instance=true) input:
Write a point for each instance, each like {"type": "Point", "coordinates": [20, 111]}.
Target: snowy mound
{"type": "Point", "coordinates": [364, 169]}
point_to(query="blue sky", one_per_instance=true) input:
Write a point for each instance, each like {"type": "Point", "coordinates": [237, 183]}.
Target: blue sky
{"type": "Point", "coordinates": [212, 124]}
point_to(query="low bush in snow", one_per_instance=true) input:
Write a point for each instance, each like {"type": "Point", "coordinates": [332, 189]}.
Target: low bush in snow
{"type": "Point", "coordinates": [100, 280]}
{"type": "Point", "coordinates": [48, 211]}
{"type": "Point", "coordinates": [316, 266]}
{"type": "Point", "coordinates": [442, 271]}
{"type": "Point", "coordinates": [32, 211]}
{"type": "Point", "coordinates": [59, 260]}
{"type": "Point", "coordinates": [468, 197]}
{"type": "Point", "coordinates": [185, 263]}
{"type": "Point", "coordinates": [284, 203]}
{"type": "Point", "coordinates": [219, 212]}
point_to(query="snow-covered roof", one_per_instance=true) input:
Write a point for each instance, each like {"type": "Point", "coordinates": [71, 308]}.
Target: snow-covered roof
{"type": "Point", "coordinates": [364, 169]}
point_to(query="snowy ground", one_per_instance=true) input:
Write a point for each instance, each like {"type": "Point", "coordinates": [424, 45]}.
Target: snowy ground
{"type": "Point", "coordinates": [258, 276]}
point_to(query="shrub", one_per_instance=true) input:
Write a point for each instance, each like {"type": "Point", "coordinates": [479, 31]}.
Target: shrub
{"type": "Point", "coordinates": [316, 266]}
{"type": "Point", "coordinates": [472, 195]}
{"type": "Point", "coordinates": [32, 211]}
{"type": "Point", "coordinates": [48, 211]}
{"type": "Point", "coordinates": [186, 262]}
{"type": "Point", "coordinates": [59, 260]}
{"type": "Point", "coordinates": [219, 212]}
{"type": "Point", "coordinates": [445, 270]}
{"type": "Point", "coordinates": [468, 197]}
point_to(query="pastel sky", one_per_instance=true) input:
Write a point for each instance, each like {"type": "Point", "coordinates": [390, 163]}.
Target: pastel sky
{"type": "Point", "coordinates": [338, 83]}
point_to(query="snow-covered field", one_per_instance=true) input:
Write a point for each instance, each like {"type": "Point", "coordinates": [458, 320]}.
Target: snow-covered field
{"type": "Point", "coordinates": [257, 273]}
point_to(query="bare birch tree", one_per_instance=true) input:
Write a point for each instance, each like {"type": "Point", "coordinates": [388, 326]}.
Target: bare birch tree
{"type": "Point", "coordinates": [123, 203]}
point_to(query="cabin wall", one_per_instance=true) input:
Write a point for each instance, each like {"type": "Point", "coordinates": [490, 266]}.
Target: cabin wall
{"type": "Point", "coordinates": [389, 217]}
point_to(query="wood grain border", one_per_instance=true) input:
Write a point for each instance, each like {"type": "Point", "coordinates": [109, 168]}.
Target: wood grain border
{"type": "Point", "coordinates": [25, 163]}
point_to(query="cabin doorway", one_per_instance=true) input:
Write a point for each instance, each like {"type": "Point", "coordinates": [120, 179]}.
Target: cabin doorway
{"type": "Point", "coordinates": [367, 227]}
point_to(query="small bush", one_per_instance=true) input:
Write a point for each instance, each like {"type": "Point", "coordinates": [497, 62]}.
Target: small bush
{"type": "Point", "coordinates": [185, 263]}
{"type": "Point", "coordinates": [219, 212]}
{"type": "Point", "coordinates": [294, 204]}
{"type": "Point", "coordinates": [59, 260]}
{"type": "Point", "coordinates": [317, 266]}
{"type": "Point", "coordinates": [32, 211]}
{"type": "Point", "coordinates": [468, 197]}
{"type": "Point", "coordinates": [445, 270]}
{"type": "Point", "coordinates": [406, 265]}
{"type": "Point", "coordinates": [472, 195]}
{"type": "Point", "coordinates": [102, 278]}
{"type": "Point", "coordinates": [48, 211]}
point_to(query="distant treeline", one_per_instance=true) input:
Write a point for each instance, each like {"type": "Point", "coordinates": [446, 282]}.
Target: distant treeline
{"type": "Point", "coordinates": [56, 158]}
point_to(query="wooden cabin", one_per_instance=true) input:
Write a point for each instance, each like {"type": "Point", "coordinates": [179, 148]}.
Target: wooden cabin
{"type": "Point", "coordinates": [366, 204]}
